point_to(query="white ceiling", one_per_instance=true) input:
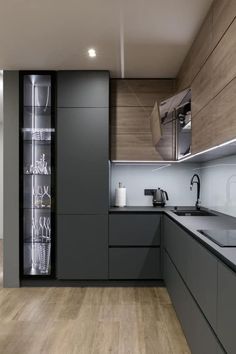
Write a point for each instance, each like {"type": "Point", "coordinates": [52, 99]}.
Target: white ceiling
{"type": "Point", "coordinates": [56, 34]}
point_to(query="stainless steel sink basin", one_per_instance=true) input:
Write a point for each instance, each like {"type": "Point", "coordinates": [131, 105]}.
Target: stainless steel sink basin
{"type": "Point", "coordinates": [193, 213]}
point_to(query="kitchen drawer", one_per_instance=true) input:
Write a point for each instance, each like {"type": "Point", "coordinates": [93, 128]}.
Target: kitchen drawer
{"type": "Point", "coordinates": [176, 242]}
{"type": "Point", "coordinates": [226, 308]}
{"type": "Point", "coordinates": [198, 332]}
{"type": "Point", "coordinates": [134, 230]}
{"type": "Point", "coordinates": [134, 263]}
{"type": "Point", "coordinates": [202, 279]}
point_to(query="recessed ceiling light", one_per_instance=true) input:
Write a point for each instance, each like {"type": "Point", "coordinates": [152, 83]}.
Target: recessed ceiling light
{"type": "Point", "coordinates": [92, 53]}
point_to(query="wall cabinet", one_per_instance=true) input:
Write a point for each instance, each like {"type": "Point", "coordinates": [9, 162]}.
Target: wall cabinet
{"type": "Point", "coordinates": [132, 103]}
{"type": "Point", "coordinates": [210, 70]}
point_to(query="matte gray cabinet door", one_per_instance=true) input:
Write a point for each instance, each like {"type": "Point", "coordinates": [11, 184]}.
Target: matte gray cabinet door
{"type": "Point", "coordinates": [199, 334]}
{"type": "Point", "coordinates": [176, 242]}
{"type": "Point", "coordinates": [82, 247]}
{"type": "Point", "coordinates": [134, 230]}
{"type": "Point", "coordinates": [202, 279]}
{"type": "Point", "coordinates": [226, 308]}
{"type": "Point", "coordinates": [83, 88]}
{"type": "Point", "coordinates": [82, 161]}
{"type": "Point", "coordinates": [134, 263]}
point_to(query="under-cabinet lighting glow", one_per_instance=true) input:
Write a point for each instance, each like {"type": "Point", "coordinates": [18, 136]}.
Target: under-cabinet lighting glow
{"type": "Point", "coordinates": [145, 163]}
{"type": "Point", "coordinates": [92, 53]}
{"type": "Point", "coordinates": [207, 150]}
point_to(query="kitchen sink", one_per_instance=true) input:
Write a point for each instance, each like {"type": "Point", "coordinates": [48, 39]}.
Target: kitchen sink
{"type": "Point", "coordinates": [193, 213]}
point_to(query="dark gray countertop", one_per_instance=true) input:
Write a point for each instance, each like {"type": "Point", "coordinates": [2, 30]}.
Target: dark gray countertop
{"type": "Point", "coordinates": [193, 223]}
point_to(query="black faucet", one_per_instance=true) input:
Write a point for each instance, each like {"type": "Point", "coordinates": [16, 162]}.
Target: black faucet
{"type": "Point", "coordinates": [197, 181]}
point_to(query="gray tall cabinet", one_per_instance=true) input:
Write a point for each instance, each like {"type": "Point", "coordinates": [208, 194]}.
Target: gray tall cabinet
{"type": "Point", "coordinates": [82, 174]}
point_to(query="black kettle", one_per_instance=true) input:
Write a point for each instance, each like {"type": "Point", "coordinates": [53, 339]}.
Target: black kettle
{"type": "Point", "coordinates": [159, 197]}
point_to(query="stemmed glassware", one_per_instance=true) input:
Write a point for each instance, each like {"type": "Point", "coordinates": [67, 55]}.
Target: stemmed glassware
{"type": "Point", "coordinates": [40, 167]}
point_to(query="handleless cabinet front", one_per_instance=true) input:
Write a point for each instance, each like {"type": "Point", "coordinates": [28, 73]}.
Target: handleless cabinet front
{"type": "Point", "coordinates": [226, 309]}
{"type": "Point", "coordinates": [83, 88]}
{"type": "Point", "coordinates": [82, 247]}
{"type": "Point", "coordinates": [82, 161]}
{"type": "Point", "coordinates": [134, 230]}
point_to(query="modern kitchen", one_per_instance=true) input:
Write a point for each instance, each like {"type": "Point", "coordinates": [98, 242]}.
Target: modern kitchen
{"type": "Point", "coordinates": [119, 177]}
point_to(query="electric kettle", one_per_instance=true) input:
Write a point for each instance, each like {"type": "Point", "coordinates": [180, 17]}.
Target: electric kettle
{"type": "Point", "coordinates": [160, 197]}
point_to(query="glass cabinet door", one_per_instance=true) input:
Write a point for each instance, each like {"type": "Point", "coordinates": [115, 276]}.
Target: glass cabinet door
{"type": "Point", "coordinates": [37, 173]}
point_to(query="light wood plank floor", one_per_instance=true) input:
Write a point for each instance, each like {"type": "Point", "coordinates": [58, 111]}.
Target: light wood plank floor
{"type": "Point", "coordinates": [89, 320]}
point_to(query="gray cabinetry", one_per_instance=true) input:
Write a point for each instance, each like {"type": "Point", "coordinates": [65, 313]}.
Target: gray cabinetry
{"type": "Point", "coordinates": [134, 246]}
{"type": "Point", "coordinates": [202, 279]}
{"type": "Point", "coordinates": [83, 88]}
{"type": "Point", "coordinates": [82, 174]}
{"type": "Point", "coordinates": [134, 263]}
{"type": "Point", "coordinates": [82, 161]}
{"type": "Point", "coordinates": [176, 242]}
{"type": "Point", "coordinates": [134, 230]}
{"type": "Point", "coordinates": [226, 308]}
{"type": "Point", "coordinates": [82, 247]}
{"type": "Point", "coordinates": [199, 334]}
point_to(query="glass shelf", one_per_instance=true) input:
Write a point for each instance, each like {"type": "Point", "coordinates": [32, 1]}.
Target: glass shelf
{"type": "Point", "coordinates": [28, 240]}
{"type": "Point", "coordinates": [37, 174]}
{"type": "Point", "coordinates": [35, 208]}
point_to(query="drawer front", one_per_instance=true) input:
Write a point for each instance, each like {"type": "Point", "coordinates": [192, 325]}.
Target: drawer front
{"type": "Point", "coordinates": [176, 243]}
{"type": "Point", "coordinates": [134, 230]}
{"type": "Point", "coordinates": [134, 263]}
{"type": "Point", "coordinates": [199, 334]}
{"type": "Point", "coordinates": [226, 308]}
{"type": "Point", "coordinates": [202, 279]}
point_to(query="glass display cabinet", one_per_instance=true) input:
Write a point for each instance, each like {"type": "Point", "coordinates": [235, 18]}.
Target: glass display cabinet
{"type": "Point", "coordinates": [37, 186]}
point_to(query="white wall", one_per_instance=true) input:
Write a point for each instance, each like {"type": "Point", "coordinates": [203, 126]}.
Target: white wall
{"type": "Point", "coordinates": [218, 179]}
{"type": "Point", "coordinates": [175, 179]}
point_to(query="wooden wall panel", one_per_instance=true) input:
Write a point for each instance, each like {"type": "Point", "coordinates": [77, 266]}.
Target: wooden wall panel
{"type": "Point", "coordinates": [132, 102]}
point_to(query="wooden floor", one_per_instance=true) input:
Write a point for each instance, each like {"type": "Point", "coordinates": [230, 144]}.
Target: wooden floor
{"type": "Point", "coordinates": [89, 320]}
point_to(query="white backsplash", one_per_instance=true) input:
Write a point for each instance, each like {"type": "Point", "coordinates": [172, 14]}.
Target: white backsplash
{"type": "Point", "coordinates": [175, 179]}
{"type": "Point", "coordinates": [218, 180]}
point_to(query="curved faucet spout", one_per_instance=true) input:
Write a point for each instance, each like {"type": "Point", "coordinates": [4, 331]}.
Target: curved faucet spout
{"type": "Point", "coordinates": [196, 180]}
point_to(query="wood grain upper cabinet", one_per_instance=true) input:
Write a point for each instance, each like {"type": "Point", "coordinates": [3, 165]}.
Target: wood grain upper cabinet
{"type": "Point", "coordinates": [197, 55]}
{"type": "Point", "coordinates": [83, 89]}
{"type": "Point", "coordinates": [224, 12]}
{"type": "Point", "coordinates": [215, 123]}
{"type": "Point", "coordinates": [131, 135]}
